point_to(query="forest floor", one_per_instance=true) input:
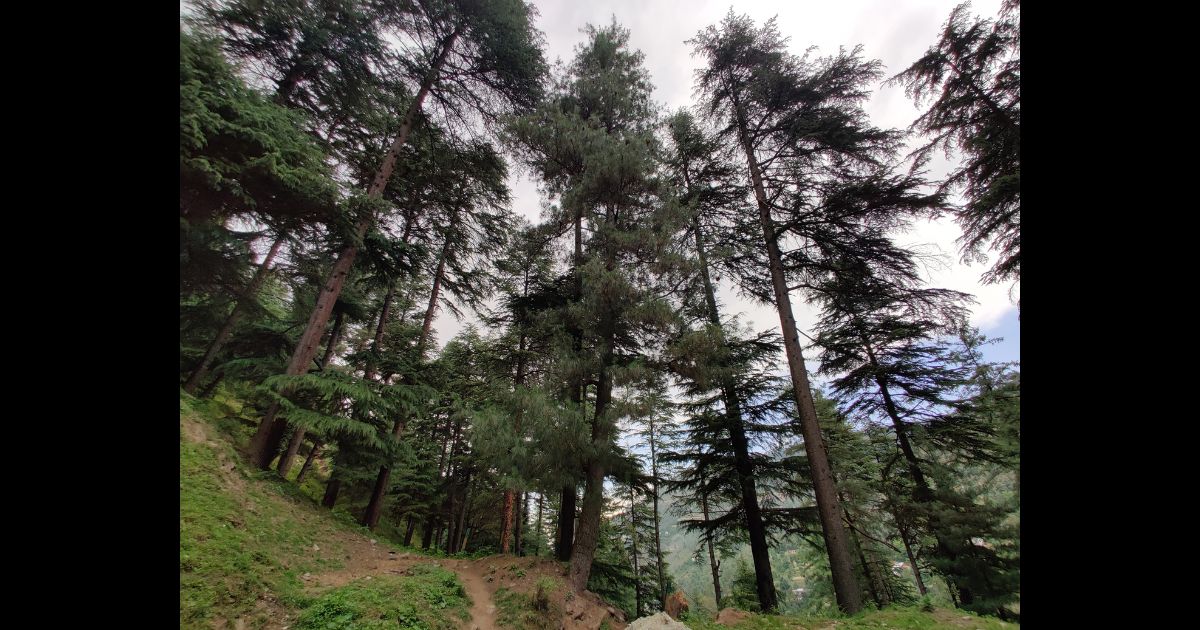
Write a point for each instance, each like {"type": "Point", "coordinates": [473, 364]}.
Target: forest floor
{"type": "Point", "coordinates": [258, 552]}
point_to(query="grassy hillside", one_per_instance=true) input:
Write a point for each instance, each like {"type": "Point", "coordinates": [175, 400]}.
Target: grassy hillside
{"type": "Point", "coordinates": [253, 550]}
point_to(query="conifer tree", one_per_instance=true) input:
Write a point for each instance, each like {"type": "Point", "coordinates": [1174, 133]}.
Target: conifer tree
{"type": "Point", "coordinates": [971, 80]}
{"type": "Point", "coordinates": [490, 57]}
{"type": "Point", "coordinates": [708, 188]}
{"type": "Point", "coordinates": [822, 188]}
{"type": "Point", "coordinates": [601, 122]}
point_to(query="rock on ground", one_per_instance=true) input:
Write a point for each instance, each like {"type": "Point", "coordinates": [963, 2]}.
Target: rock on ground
{"type": "Point", "coordinates": [659, 621]}
{"type": "Point", "coordinates": [731, 616]}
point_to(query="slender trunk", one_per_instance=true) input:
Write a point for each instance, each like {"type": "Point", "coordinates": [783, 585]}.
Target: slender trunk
{"type": "Point", "coordinates": [433, 297]}
{"type": "Point", "coordinates": [912, 560]}
{"type": "Point", "coordinates": [923, 493]}
{"type": "Point", "coordinates": [506, 524]}
{"type": "Point", "coordinates": [713, 563]}
{"type": "Point", "coordinates": [566, 523]}
{"type": "Point", "coordinates": [849, 596]}
{"type": "Point", "coordinates": [266, 440]}
{"type": "Point", "coordinates": [335, 336]}
{"type": "Point", "coordinates": [452, 535]}
{"type": "Point", "coordinates": [588, 535]}
{"type": "Point", "coordinates": [518, 523]}
{"type": "Point", "coordinates": [369, 373]}
{"type": "Point", "coordinates": [212, 386]}
{"type": "Point", "coordinates": [506, 520]}
{"type": "Point", "coordinates": [331, 492]}
{"type": "Point", "coordinates": [764, 579]}
{"type": "Point", "coordinates": [862, 558]}
{"type": "Point", "coordinates": [408, 531]}
{"type": "Point", "coordinates": [875, 583]}
{"type": "Point", "coordinates": [312, 454]}
{"type": "Point", "coordinates": [427, 532]}
{"type": "Point", "coordinates": [374, 507]}
{"type": "Point", "coordinates": [537, 548]}
{"type": "Point", "coordinates": [662, 585]}
{"type": "Point", "coordinates": [244, 301]}
{"type": "Point", "coordinates": [633, 539]}
{"type": "Point", "coordinates": [289, 456]}
{"type": "Point", "coordinates": [385, 311]}
{"type": "Point", "coordinates": [462, 518]}
{"type": "Point", "coordinates": [566, 512]}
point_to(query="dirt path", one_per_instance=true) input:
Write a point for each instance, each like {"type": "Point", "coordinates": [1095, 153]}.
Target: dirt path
{"type": "Point", "coordinates": [365, 559]}
{"type": "Point", "coordinates": [483, 611]}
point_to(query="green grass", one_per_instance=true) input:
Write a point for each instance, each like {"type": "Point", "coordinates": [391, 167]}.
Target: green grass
{"type": "Point", "coordinates": [246, 538]}
{"type": "Point", "coordinates": [906, 618]}
{"type": "Point", "coordinates": [431, 598]}
{"type": "Point", "coordinates": [521, 612]}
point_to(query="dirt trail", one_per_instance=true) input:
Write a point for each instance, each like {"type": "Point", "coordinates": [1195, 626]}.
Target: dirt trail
{"type": "Point", "coordinates": [483, 610]}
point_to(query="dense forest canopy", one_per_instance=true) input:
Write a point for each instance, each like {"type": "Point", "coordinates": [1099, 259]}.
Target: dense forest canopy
{"type": "Point", "coordinates": [346, 172]}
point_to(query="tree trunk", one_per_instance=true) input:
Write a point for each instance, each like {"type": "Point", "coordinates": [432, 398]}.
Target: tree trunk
{"type": "Point", "coordinates": [335, 336]}
{"type": "Point", "coordinates": [374, 507]}
{"type": "Point", "coordinates": [537, 537]}
{"type": "Point", "coordinates": [427, 532]}
{"type": "Point", "coordinates": [912, 560]}
{"type": "Point", "coordinates": [433, 297]}
{"type": "Point", "coordinates": [566, 513]}
{"type": "Point", "coordinates": [452, 536]}
{"type": "Point", "coordinates": [874, 582]}
{"type": "Point", "coordinates": [312, 454]}
{"type": "Point", "coordinates": [507, 515]}
{"type": "Point", "coordinates": [566, 523]}
{"type": "Point", "coordinates": [922, 493]}
{"type": "Point", "coordinates": [633, 539]}
{"type": "Point", "coordinates": [289, 456]}
{"type": "Point", "coordinates": [408, 531]}
{"type": "Point", "coordinates": [462, 517]}
{"type": "Point", "coordinates": [662, 586]}
{"type": "Point", "coordinates": [226, 331]}
{"type": "Point", "coordinates": [713, 563]}
{"type": "Point", "coordinates": [212, 386]}
{"type": "Point", "coordinates": [331, 492]}
{"type": "Point", "coordinates": [518, 381]}
{"type": "Point", "coordinates": [588, 535]}
{"type": "Point", "coordinates": [384, 312]}
{"type": "Point", "coordinates": [764, 579]}
{"type": "Point", "coordinates": [519, 523]}
{"type": "Point", "coordinates": [862, 558]}
{"type": "Point", "coordinates": [849, 596]}
{"type": "Point", "coordinates": [271, 429]}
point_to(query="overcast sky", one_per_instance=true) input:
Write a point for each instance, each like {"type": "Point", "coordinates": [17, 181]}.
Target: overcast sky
{"type": "Point", "coordinates": [896, 32]}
